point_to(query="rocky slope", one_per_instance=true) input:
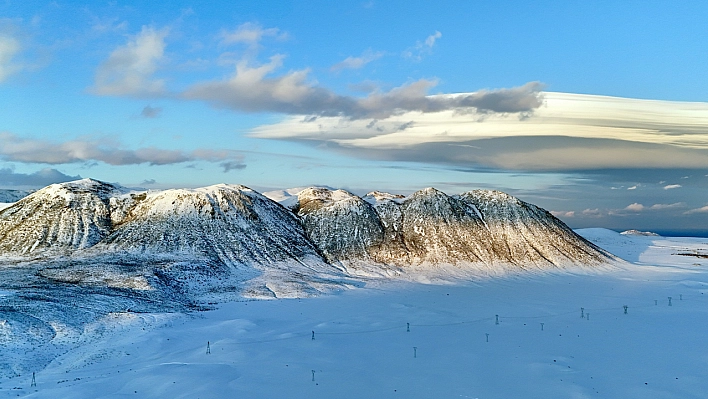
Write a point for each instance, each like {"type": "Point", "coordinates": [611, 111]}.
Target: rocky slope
{"type": "Point", "coordinates": [231, 223]}
{"type": "Point", "coordinates": [526, 235]}
{"type": "Point", "coordinates": [218, 238]}
{"type": "Point", "coordinates": [58, 218]}
{"type": "Point", "coordinates": [479, 229]}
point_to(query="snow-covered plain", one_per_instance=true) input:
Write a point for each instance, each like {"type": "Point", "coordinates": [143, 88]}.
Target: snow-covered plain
{"type": "Point", "coordinates": [541, 347]}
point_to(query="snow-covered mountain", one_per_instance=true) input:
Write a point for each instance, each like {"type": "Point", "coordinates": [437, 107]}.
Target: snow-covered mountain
{"type": "Point", "coordinates": [233, 224]}
{"type": "Point", "coordinates": [229, 238]}
{"type": "Point", "coordinates": [481, 229]}
{"type": "Point", "coordinates": [58, 218]}
{"type": "Point", "coordinates": [8, 196]}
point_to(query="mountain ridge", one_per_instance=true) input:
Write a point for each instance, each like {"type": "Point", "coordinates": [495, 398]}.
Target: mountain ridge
{"type": "Point", "coordinates": [230, 237]}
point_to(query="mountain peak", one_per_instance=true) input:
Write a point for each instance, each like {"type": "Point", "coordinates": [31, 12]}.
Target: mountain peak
{"type": "Point", "coordinates": [376, 197]}
{"type": "Point", "coordinates": [429, 192]}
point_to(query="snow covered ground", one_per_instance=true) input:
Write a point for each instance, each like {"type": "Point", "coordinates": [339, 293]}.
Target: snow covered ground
{"type": "Point", "coordinates": [540, 348]}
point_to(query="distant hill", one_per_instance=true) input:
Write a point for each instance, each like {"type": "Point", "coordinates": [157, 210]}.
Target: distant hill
{"type": "Point", "coordinates": [9, 196]}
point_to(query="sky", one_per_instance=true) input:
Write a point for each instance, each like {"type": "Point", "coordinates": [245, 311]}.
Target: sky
{"type": "Point", "coordinates": [596, 111]}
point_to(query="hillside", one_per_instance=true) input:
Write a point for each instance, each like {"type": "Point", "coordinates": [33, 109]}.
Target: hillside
{"type": "Point", "coordinates": [488, 231]}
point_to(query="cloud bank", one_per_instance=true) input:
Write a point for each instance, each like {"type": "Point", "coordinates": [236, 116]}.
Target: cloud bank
{"type": "Point", "coordinates": [258, 87]}
{"type": "Point", "coordinates": [252, 89]}
{"type": "Point", "coordinates": [17, 149]}
{"type": "Point", "coordinates": [41, 178]}
{"type": "Point", "coordinates": [565, 132]}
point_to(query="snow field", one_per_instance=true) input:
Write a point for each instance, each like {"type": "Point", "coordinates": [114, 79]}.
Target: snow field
{"type": "Point", "coordinates": [264, 349]}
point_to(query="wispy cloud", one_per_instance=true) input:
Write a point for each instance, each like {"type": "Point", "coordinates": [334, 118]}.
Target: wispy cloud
{"type": "Point", "coordinates": [421, 49]}
{"type": "Point", "coordinates": [593, 213]}
{"type": "Point", "coordinates": [250, 34]}
{"type": "Point", "coordinates": [9, 48]}
{"type": "Point", "coordinates": [637, 207]}
{"type": "Point", "coordinates": [357, 62]}
{"type": "Point", "coordinates": [150, 112]}
{"type": "Point", "coordinates": [703, 209]}
{"type": "Point", "coordinates": [668, 206]}
{"type": "Point", "coordinates": [104, 25]}
{"type": "Point", "coordinates": [130, 68]}
{"type": "Point", "coordinates": [228, 166]}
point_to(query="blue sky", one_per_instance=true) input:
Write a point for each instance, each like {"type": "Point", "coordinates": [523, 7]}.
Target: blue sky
{"type": "Point", "coordinates": [596, 110]}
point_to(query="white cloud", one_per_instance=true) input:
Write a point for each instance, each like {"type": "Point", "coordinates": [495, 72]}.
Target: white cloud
{"type": "Point", "coordinates": [635, 207]}
{"type": "Point", "coordinates": [566, 132]}
{"type": "Point", "coordinates": [253, 88]}
{"type": "Point", "coordinates": [698, 210]}
{"type": "Point", "coordinates": [9, 48]}
{"type": "Point", "coordinates": [129, 69]}
{"type": "Point", "coordinates": [672, 186]}
{"type": "Point", "coordinates": [423, 48]}
{"type": "Point", "coordinates": [667, 206]}
{"type": "Point", "coordinates": [250, 34]}
{"type": "Point", "coordinates": [357, 62]}
{"type": "Point", "coordinates": [430, 40]}
{"type": "Point", "coordinates": [563, 214]}
{"type": "Point", "coordinates": [592, 212]}
{"type": "Point", "coordinates": [103, 25]}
